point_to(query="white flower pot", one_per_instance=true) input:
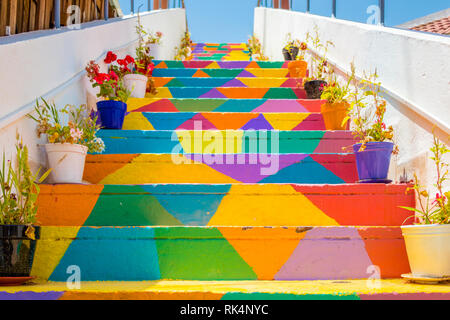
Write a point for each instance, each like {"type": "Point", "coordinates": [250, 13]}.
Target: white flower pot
{"type": "Point", "coordinates": [66, 161]}
{"type": "Point", "coordinates": [137, 84]}
{"type": "Point", "coordinates": [155, 50]}
{"type": "Point", "coordinates": [428, 248]}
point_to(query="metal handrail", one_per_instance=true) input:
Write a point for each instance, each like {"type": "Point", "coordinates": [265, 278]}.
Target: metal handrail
{"type": "Point", "coordinates": [381, 5]}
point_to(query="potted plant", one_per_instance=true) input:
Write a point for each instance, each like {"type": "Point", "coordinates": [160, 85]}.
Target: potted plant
{"type": "Point", "coordinates": [151, 40]}
{"type": "Point", "coordinates": [67, 143]}
{"type": "Point", "coordinates": [335, 110]}
{"type": "Point", "coordinates": [375, 147]}
{"type": "Point", "coordinates": [428, 240]}
{"type": "Point", "coordinates": [255, 49]}
{"type": "Point", "coordinates": [18, 235]}
{"type": "Point", "coordinates": [112, 108]}
{"type": "Point", "coordinates": [290, 51]}
{"type": "Point", "coordinates": [320, 70]}
{"type": "Point", "coordinates": [298, 67]}
{"type": "Point", "coordinates": [184, 51]}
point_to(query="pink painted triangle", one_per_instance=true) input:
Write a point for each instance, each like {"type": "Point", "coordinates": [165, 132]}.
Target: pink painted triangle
{"type": "Point", "coordinates": [164, 105]}
{"type": "Point", "coordinates": [197, 122]}
{"type": "Point", "coordinates": [287, 105]}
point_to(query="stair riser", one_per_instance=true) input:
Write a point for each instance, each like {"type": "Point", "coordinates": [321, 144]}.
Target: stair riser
{"type": "Point", "coordinates": [225, 142]}
{"type": "Point", "coordinates": [223, 92]}
{"type": "Point", "coordinates": [220, 64]}
{"type": "Point", "coordinates": [223, 121]}
{"type": "Point", "coordinates": [224, 105]}
{"type": "Point", "coordinates": [224, 253]}
{"type": "Point", "coordinates": [238, 82]}
{"type": "Point", "coordinates": [197, 168]}
{"type": "Point", "coordinates": [216, 205]}
{"type": "Point", "coordinates": [222, 73]}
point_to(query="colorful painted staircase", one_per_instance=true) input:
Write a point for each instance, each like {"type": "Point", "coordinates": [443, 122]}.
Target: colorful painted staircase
{"type": "Point", "coordinates": [230, 177]}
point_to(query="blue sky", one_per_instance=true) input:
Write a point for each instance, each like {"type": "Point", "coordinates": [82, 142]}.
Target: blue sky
{"type": "Point", "coordinates": [232, 20]}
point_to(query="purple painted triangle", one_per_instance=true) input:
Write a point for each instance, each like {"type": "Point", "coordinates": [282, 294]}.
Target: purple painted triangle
{"type": "Point", "coordinates": [214, 93]}
{"type": "Point", "coordinates": [235, 83]}
{"type": "Point", "coordinates": [259, 123]}
{"type": "Point", "coordinates": [233, 64]}
{"type": "Point", "coordinates": [246, 74]}
{"type": "Point", "coordinates": [247, 168]}
{"type": "Point", "coordinates": [197, 122]}
{"type": "Point", "coordinates": [319, 256]}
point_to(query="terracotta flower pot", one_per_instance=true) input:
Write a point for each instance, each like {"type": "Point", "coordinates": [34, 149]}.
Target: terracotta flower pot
{"type": "Point", "coordinates": [297, 69]}
{"type": "Point", "coordinates": [333, 115]}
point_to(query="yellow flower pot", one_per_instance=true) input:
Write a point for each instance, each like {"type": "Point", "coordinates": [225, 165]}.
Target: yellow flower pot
{"type": "Point", "coordinates": [297, 69]}
{"type": "Point", "coordinates": [333, 115]}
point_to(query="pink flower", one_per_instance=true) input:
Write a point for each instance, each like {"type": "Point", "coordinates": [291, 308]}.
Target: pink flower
{"type": "Point", "coordinates": [76, 134]}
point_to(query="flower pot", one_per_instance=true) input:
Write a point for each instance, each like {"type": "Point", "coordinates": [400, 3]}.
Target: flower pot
{"type": "Point", "coordinates": [16, 250]}
{"type": "Point", "coordinates": [136, 83]}
{"type": "Point", "coordinates": [333, 114]}
{"type": "Point", "coordinates": [373, 162]}
{"type": "Point", "coordinates": [314, 88]}
{"type": "Point", "coordinates": [297, 69]}
{"type": "Point", "coordinates": [111, 113]}
{"type": "Point", "coordinates": [428, 249]}
{"type": "Point", "coordinates": [66, 161]}
{"type": "Point", "coordinates": [155, 50]}
{"type": "Point", "coordinates": [287, 55]}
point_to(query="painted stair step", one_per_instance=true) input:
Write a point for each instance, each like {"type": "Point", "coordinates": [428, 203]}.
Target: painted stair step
{"type": "Point", "coordinates": [230, 92]}
{"type": "Point", "coordinates": [232, 73]}
{"type": "Point", "coordinates": [389, 289]}
{"type": "Point", "coordinates": [223, 105]}
{"type": "Point", "coordinates": [216, 169]}
{"type": "Point", "coordinates": [220, 64]}
{"type": "Point", "coordinates": [225, 141]}
{"type": "Point", "coordinates": [223, 121]}
{"type": "Point", "coordinates": [236, 82]}
{"type": "Point", "coordinates": [218, 205]}
{"type": "Point", "coordinates": [220, 253]}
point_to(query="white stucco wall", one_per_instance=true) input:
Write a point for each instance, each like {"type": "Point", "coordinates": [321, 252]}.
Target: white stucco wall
{"type": "Point", "coordinates": [413, 65]}
{"type": "Point", "coordinates": [49, 63]}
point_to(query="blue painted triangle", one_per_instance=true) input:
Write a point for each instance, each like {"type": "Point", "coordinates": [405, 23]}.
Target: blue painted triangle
{"type": "Point", "coordinates": [167, 120]}
{"type": "Point", "coordinates": [306, 171]}
{"type": "Point", "coordinates": [193, 205]}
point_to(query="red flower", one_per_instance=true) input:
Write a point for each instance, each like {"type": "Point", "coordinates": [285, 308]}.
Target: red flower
{"type": "Point", "coordinates": [383, 125]}
{"type": "Point", "coordinates": [129, 59]}
{"type": "Point", "coordinates": [122, 62]}
{"type": "Point", "coordinates": [113, 76]}
{"type": "Point", "coordinates": [101, 77]}
{"type": "Point", "coordinates": [110, 57]}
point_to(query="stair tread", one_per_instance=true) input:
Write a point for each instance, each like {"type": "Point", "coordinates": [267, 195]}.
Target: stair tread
{"type": "Point", "coordinates": [216, 290]}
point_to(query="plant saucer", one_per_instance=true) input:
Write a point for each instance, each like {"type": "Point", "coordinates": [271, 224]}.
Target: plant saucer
{"type": "Point", "coordinates": [385, 181]}
{"type": "Point", "coordinates": [423, 279]}
{"type": "Point", "coordinates": [14, 281]}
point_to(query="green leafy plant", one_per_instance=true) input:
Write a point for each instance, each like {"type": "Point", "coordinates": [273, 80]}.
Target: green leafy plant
{"type": "Point", "coordinates": [437, 210]}
{"type": "Point", "coordinates": [19, 191]}
{"type": "Point", "coordinates": [255, 48]}
{"type": "Point", "coordinates": [320, 69]}
{"type": "Point", "coordinates": [367, 111]}
{"type": "Point", "coordinates": [334, 92]}
{"type": "Point", "coordinates": [184, 50]}
{"type": "Point", "coordinates": [300, 45]}
{"type": "Point", "coordinates": [80, 129]}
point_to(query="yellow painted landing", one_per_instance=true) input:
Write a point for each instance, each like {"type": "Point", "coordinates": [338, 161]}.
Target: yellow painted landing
{"type": "Point", "coordinates": [357, 289]}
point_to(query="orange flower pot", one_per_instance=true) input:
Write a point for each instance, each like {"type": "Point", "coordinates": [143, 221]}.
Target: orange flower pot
{"type": "Point", "coordinates": [297, 69]}
{"type": "Point", "coordinates": [333, 115]}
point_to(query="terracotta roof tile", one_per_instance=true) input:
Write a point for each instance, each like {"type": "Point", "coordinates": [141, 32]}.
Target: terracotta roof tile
{"type": "Point", "coordinates": [441, 26]}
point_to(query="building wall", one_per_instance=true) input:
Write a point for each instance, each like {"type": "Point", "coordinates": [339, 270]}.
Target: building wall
{"type": "Point", "coordinates": [413, 65]}
{"type": "Point", "coordinates": [50, 64]}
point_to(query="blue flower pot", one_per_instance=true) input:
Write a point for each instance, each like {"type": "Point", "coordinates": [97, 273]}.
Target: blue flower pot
{"type": "Point", "coordinates": [111, 113]}
{"type": "Point", "coordinates": [373, 162]}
